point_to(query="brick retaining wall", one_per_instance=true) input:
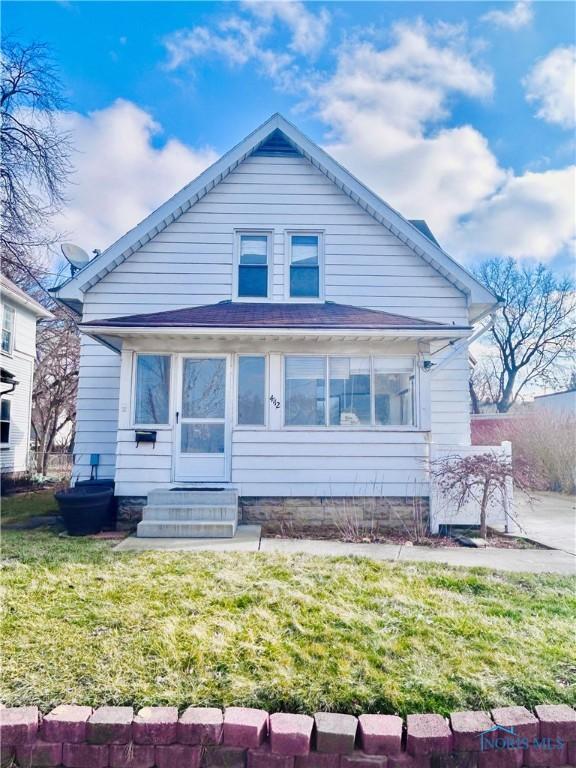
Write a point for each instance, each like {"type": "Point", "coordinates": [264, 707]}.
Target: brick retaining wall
{"type": "Point", "coordinates": [114, 737]}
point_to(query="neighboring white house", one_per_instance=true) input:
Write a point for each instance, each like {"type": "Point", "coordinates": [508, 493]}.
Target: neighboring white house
{"type": "Point", "coordinates": [20, 313]}
{"type": "Point", "coordinates": [280, 331]}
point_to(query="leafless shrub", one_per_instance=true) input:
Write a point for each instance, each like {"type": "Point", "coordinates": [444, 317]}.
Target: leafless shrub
{"type": "Point", "coordinates": [481, 478]}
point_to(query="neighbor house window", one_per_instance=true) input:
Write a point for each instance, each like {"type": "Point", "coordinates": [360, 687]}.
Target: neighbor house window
{"type": "Point", "coordinates": [304, 266]}
{"type": "Point", "coordinates": [251, 390]}
{"type": "Point", "coordinates": [5, 421]}
{"type": "Point", "coordinates": [7, 329]}
{"type": "Point", "coordinates": [152, 389]}
{"type": "Point", "coordinates": [253, 266]}
{"type": "Point", "coordinates": [360, 391]}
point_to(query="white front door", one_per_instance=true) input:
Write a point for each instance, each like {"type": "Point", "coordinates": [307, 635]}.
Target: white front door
{"type": "Point", "coordinates": [202, 419]}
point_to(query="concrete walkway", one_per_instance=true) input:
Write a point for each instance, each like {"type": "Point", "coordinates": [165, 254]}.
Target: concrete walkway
{"type": "Point", "coordinates": [248, 539]}
{"type": "Point", "coordinates": [549, 520]}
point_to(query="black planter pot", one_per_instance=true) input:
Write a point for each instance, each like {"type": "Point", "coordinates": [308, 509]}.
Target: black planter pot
{"type": "Point", "coordinates": [85, 510]}
{"type": "Point", "coordinates": [100, 485]}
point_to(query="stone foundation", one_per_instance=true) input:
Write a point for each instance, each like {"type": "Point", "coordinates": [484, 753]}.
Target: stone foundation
{"type": "Point", "coordinates": [335, 515]}
{"type": "Point", "coordinates": [313, 515]}
{"type": "Point", "coordinates": [129, 512]}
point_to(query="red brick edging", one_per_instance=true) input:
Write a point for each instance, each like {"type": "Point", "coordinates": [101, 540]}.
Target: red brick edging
{"type": "Point", "coordinates": [157, 737]}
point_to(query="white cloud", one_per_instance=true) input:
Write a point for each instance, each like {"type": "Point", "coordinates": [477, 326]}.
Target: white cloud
{"type": "Point", "coordinates": [530, 216]}
{"type": "Point", "coordinates": [120, 175]}
{"type": "Point", "coordinates": [308, 29]}
{"type": "Point", "coordinates": [551, 87]}
{"type": "Point", "coordinates": [241, 39]}
{"type": "Point", "coordinates": [380, 105]}
{"type": "Point", "coordinates": [520, 15]}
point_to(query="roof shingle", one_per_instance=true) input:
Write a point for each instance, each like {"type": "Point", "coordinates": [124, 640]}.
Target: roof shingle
{"type": "Point", "coordinates": [228, 314]}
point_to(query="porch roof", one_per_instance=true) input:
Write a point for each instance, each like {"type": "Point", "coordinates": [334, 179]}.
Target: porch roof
{"type": "Point", "coordinates": [274, 315]}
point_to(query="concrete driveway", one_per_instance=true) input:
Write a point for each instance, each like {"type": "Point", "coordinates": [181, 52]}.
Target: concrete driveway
{"type": "Point", "coordinates": [550, 520]}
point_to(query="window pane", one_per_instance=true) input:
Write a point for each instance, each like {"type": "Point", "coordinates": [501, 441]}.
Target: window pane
{"type": "Point", "coordinates": [204, 388]}
{"type": "Point", "coordinates": [202, 438]}
{"type": "Point", "coordinates": [349, 390]}
{"type": "Point", "coordinates": [254, 249]}
{"type": "Point", "coordinates": [305, 391]}
{"type": "Point", "coordinates": [5, 422]}
{"type": "Point", "coordinates": [6, 341]}
{"type": "Point", "coordinates": [251, 389]}
{"type": "Point", "coordinates": [394, 398]}
{"type": "Point", "coordinates": [152, 389]}
{"type": "Point", "coordinates": [253, 281]}
{"type": "Point", "coordinates": [305, 250]}
{"type": "Point", "coordinates": [304, 282]}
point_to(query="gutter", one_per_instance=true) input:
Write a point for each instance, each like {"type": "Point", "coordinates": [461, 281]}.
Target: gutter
{"type": "Point", "coordinates": [442, 332]}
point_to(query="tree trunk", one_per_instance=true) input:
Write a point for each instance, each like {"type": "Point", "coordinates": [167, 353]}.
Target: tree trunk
{"type": "Point", "coordinates": [507, 394]}
{"type": "Point", "coordinates": [473, 397]}
{"type": "Point", "coordinates": [483, 509]}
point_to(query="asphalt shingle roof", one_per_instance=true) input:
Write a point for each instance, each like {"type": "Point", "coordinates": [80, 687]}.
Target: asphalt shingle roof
{"type": "Point", "coordinates": [229, 314]}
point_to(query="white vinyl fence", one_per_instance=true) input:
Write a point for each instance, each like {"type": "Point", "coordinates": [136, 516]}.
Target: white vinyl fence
{"type": "Point", "coordinates": [444, 509]}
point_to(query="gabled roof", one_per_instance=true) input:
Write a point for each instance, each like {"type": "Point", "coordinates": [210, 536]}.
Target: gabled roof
{"type": "Point", "coordinates": [228, 314]}
{"type": "Point", "coordinates": [18, 296]}
{"type": "Point", "coordinates": [276, 136]}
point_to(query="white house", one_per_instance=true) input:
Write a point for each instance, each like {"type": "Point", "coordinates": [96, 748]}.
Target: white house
{"type": "Point", "coordinates": [561, 403]}
{"type": "Point", "coordinates": [20, 313]}
{"type": "Point", "coordinates": [278, 332]}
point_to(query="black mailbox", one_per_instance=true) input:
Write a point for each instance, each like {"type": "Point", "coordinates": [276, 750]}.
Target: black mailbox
{"type": "Point", "coordinates": [145, 436]}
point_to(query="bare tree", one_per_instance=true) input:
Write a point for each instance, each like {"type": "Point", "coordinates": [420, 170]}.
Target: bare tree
{"type": "Point", "coordinates": [55, 384]}
{"type": "Point", "coordinates": [534, 332]}
{"type": "Point", "coordinates": [35, 160]}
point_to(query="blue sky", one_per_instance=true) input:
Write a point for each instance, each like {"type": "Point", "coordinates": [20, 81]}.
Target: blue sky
{"type": "Point", "coordinates": [456, 112]}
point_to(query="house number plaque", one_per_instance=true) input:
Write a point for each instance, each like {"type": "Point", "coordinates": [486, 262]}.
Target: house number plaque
{"type": "Point", "coordinates": [274, 401]}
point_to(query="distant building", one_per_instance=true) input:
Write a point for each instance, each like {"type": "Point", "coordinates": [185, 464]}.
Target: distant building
{"type": "Point", "coordinates": [559, 402]}
{"type": "Point", "coordinates": [20, 313]}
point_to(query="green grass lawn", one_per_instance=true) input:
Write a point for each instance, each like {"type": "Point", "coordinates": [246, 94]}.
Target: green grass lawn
{"type": "Point", "coordinates": [83, 624]}
{"type": "Point", "coordinates": [18, 507]}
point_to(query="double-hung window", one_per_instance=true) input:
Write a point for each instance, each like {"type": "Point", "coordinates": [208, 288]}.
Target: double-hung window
{"type": "Point", "coordinates": [253, 267]}
{"type": "Point", "coordinates": [339, 391]}
{"type": "Point", "coordinates": [152, 391]}
{"type": "Point", "coordinates": [7, 329]}
{"type": "Point", "coordinates": [305, 256]}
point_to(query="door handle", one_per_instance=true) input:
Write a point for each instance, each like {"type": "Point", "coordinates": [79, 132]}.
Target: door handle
{"type": "Point", "coordinates": [177, 416]}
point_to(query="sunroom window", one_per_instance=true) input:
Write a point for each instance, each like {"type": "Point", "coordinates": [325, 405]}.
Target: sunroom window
{"type": "Point", "coordinates": [253, 266]}
{"type": "Point", "coordinates": [251, 390]}
{"type": "Point", "coordinates": [359, 391]}
{"type": "Point", "coordinates": [152, 396]}
{"type": "Point", "coordinates": [304, 266]}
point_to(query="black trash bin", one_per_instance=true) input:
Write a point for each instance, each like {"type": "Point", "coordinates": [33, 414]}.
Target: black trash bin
{"type": "Point", "coordinates": [110, 523]}
{"type": "Point", "coordinates": [85, 510]}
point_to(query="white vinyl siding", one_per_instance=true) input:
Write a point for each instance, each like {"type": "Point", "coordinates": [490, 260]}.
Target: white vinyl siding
{"type": "Point", "coordinates": [192, 263]}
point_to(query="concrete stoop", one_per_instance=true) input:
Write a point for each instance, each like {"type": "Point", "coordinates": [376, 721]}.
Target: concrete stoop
{"type": "Point", "coordinates": [194, 514]}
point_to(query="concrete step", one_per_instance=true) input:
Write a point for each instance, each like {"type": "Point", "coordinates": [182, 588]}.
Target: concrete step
{"type": "Point", "coordinates": [183, 512]}
{"type": "Point", "coordinates": [157, 498]}
{"type": "Point", "coordinates": [189, 529]}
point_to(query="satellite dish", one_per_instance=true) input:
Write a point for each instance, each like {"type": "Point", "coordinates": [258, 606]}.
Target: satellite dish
{"type": "Point", "coordinates": [76, 256]}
